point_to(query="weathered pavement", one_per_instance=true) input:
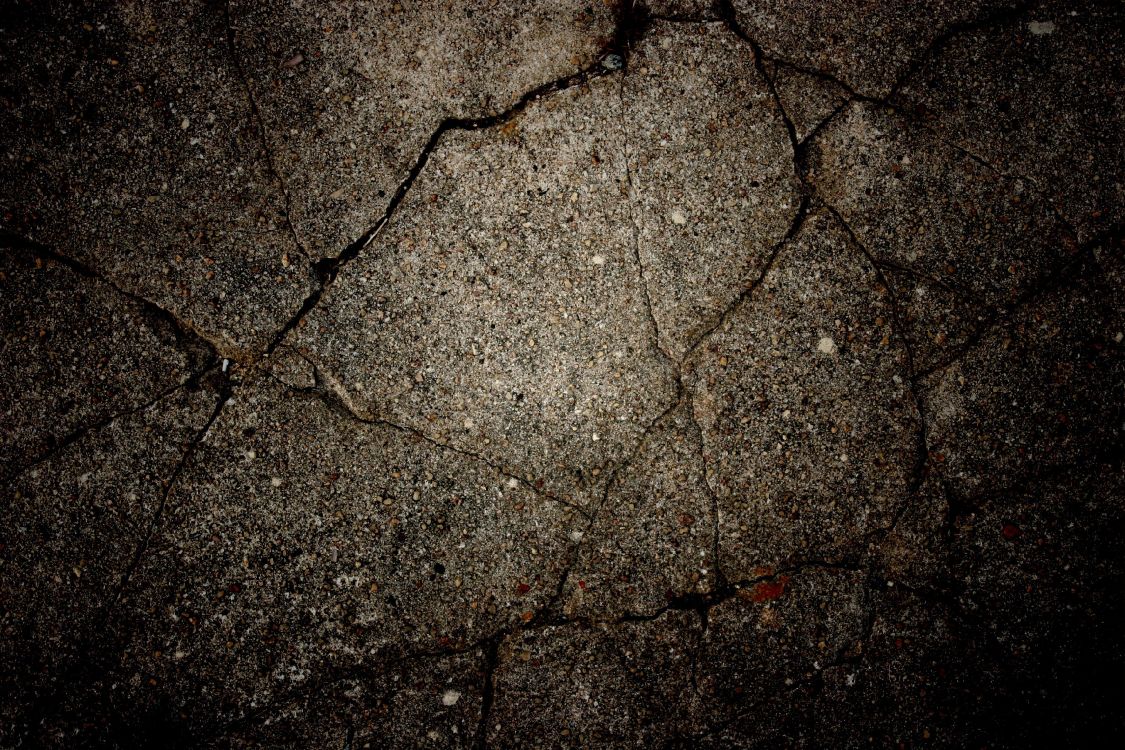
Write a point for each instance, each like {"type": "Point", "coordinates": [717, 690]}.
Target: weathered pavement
{"type": "Point", "coordinates": [458, 373]}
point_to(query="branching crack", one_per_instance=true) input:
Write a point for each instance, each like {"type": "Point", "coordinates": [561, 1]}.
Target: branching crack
{"type": "Point", "coordinates": [327, 269]}
{"type": "Point", "coordinates": [169, 484]}
{"type": "Point", "coordinates": [922, 451]}
{"type": "Point", "coordinates": [73, 437]}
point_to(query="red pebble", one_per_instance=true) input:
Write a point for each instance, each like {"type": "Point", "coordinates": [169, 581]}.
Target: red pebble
{"type": "Point", "coordinates": [769, 590]}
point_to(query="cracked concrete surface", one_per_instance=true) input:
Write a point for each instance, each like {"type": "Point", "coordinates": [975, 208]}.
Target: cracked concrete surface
{"type": "Point", "coordinates": [460, 373]}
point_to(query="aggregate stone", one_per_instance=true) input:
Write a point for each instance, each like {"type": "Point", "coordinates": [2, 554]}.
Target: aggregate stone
{"type": "Point", "coordinates": [654, 537]}
{"type": "Point", "coordinates": [349, 542]}
{"type": "Point", "coordinates": [957, 238]}
{"type": "Point", "coordinates": [75, 353]}
{"type": "Point", "coordinates": [868, 49]}
{"type": "Point", "coordinates": [350, 92]}
{"type": "Point", "coordinates": [804, 401]}
{"type": "Point", "coordinates": [71, 528]}
{"type": "Point", "coordinates": [132, 146]}
{"type": "Point", "coordinates": [612, 685]}
{"type": "Point", "coordinates": [502, 311]}
{"type": "Point", "coordinates": [807, 99]}
{"type": "Point", "coordinates": [1051, 112]}
{"type": "Point", "coordinates": [1037, 392]}
{"type": "Point", "coordinates": [777, 633]}
{"type": "Point", "coordinates": [421, 703]}
{"type": "Point", "coordinates": [713, 183]}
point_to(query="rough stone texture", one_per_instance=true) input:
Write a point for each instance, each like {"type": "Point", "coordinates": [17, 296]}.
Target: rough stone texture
{"type": "Point", "coordinates": [352, 91]}
{"type": "Point", "coordinates": [868, 48]}
{"type": "Point", "coordinates": [351, 542]}
{"type": "Point", "coordinates": [958, 238]}
{"type": "Point", "coordinates": [640, 374]}
{"type": "Point", "coordinates": [76, 349]}
{"type": "Point", "coordinates": [713, 182]}
{"type": "Point", "coordinates": [802, 465]}
{"type": "Point", "coordinates": [502, 310]}
{"type": "Point", "coordinates": [702, 10]}
{"type": "Point", "coordinates": [1051, 112]}
{"type": "Point", "coordinates": [654, 537]}
{"type": "Point", "coordinates": [778, 632]}
{"type": "Point", "coordinates": [626, 685]}
{"type": "Point", "coordinates": [132, 146]}
{"type": "Point", "coordinates": [421, 703]}
{"type": "Point", "coordinates": [73, 525]}
{"type": "Point", "coordinates": [1042, 391]}
{"type": "Point", "coordinates": [807, 99]}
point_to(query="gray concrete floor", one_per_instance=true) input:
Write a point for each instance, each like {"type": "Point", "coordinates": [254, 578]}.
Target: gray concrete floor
{"type": "Point", "coordinates": [569, 373]}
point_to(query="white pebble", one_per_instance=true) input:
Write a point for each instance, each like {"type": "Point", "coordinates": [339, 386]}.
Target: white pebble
{"type": "Point", "coordinates": [826, 345]}
{"type": "Point", "coordinates": [450, 698]}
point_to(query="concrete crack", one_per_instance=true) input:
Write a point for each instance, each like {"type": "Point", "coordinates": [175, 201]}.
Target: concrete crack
{"type": "Point", "coordinates": [260, 125]}
{"type": "Point", "coordinates": [642, 272]}
{"type": "Point", "coordinates": [326, 269]}
{"type": "Point", "coordinates": [73, 437]}
{"type": "Point", "coordinates": [328, 391]}
{"type": "Point", "coordinates": [224, 396]}
{"type": "Point", "coordinates": [488, 692]}
{"type": "Point", "coordinates": [746, 293]}
{"type": "Point", "coordinates": [184, 331]}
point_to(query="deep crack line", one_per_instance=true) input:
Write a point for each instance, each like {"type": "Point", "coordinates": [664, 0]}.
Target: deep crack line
{"type": "Point", "coordinates": [328, 268]}
{"type": "Point", "coordinates": [727, 16]}
{"type": "Point", "coordinates": [488, 690]}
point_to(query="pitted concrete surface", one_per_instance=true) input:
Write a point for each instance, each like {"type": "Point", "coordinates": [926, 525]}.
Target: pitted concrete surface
{"type": "Point", "coordinates": [460, 373]}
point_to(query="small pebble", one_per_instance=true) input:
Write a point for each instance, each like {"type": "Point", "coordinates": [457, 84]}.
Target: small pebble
{"type": "Point", "coordinates": [613, 62]}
